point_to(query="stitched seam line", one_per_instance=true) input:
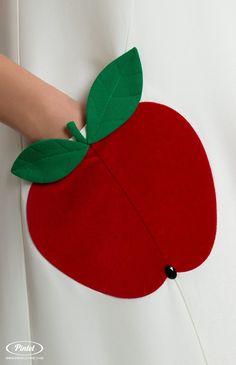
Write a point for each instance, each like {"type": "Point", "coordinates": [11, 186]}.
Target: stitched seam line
{"type": "Point", "coordinates": [164, 257]}
{"type": "Point", "coordinates": [21, 187]}
{"type": "Point", "coordinates": [130, 25]}
{"type": "Point", "coordinates": [177, 282]}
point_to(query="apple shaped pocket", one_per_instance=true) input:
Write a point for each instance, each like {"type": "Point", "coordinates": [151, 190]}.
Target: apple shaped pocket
{"type": "Point", "coordinates": [129, 205]}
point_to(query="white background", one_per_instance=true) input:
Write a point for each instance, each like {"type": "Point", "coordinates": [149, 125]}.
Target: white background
{"type": "Point", "coordinates": [188, 53]}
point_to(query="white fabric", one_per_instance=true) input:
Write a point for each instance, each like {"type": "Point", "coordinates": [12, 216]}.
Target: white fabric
{"type": "Point", "coordinates": [188, 54]}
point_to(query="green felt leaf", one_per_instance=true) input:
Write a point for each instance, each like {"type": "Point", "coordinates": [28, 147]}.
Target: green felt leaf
{"type": "Point", "coordinates": [114, 95]}
{"type": "Point", "coordinates": [49, 160]}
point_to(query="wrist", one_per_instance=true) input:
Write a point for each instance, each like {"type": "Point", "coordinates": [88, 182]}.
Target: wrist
{"type": "Point", "coordinates": [56, 110]}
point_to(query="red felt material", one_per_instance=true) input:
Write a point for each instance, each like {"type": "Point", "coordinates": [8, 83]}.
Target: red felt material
{"type": "Point", "coordinates": [142, 198]}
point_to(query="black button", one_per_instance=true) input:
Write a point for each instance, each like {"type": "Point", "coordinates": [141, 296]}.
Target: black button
{"type": "Point", "coordinates": [170, 272]}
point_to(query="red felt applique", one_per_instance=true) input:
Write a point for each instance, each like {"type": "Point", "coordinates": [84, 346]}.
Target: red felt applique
{"type": "Point", "coordinates": [141, 199]}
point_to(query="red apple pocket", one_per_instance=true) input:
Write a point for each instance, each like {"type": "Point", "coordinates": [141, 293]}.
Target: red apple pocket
{"type": "Point", "coordinates": [131, 204]}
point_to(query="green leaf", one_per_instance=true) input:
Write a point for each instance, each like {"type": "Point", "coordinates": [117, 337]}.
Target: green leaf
{"type": "Point", "coordinates": [114, 95]}
{"type": "Point", "coordinates": [49, 160]}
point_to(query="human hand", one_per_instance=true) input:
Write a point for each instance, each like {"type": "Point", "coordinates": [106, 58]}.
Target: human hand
{"type": "Point", "coordinates": [33, 107]}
